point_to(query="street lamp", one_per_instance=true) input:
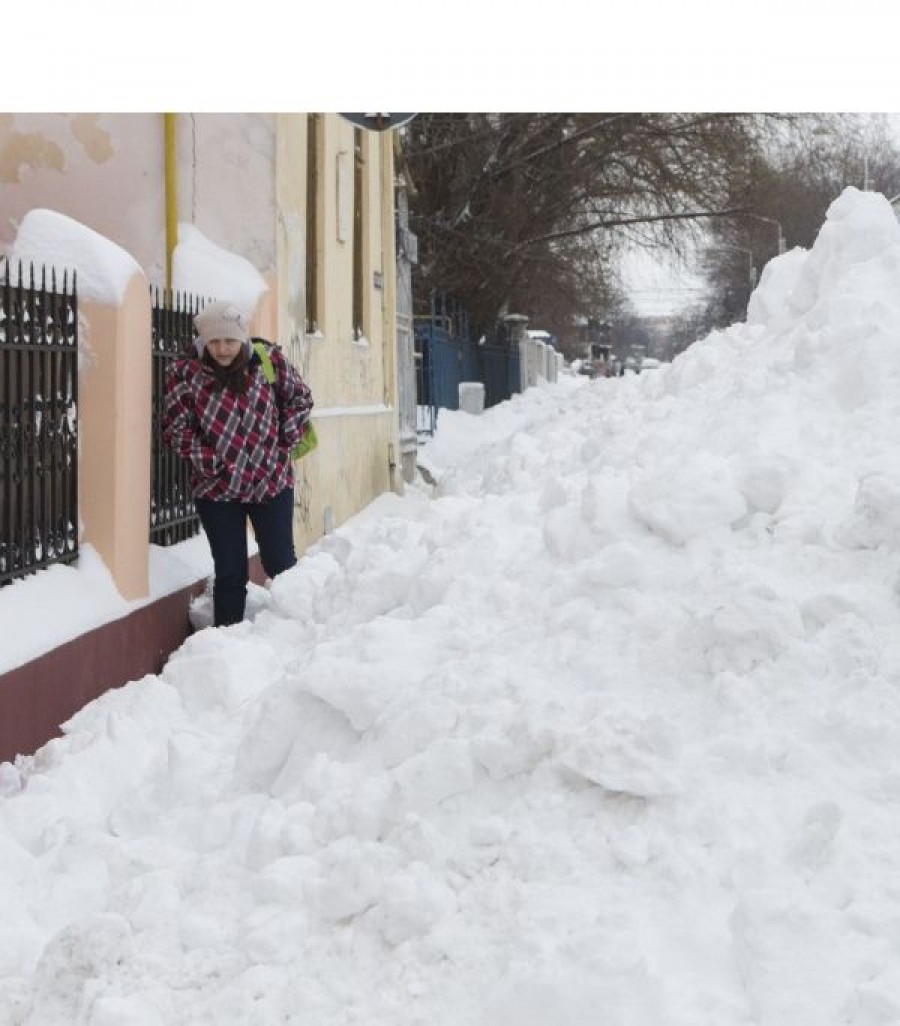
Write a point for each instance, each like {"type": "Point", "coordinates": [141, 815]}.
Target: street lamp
{"type": "Point", "coordinates": [771, 220]}
{"type": "Point", "coordinates": [751, 269]}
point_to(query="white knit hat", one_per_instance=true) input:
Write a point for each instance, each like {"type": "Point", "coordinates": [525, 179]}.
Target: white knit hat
{"type": "Point", "coordinates": [221, 319]}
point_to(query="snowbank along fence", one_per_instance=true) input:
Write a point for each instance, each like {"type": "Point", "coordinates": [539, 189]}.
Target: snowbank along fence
{"type": "Point", "coordinates": [38, 421]}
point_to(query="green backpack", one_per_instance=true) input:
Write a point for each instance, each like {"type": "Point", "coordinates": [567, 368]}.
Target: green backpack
{"type": "Point", "coordinates": [308, 440]}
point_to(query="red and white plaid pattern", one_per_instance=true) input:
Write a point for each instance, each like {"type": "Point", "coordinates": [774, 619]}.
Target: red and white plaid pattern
{"type": "Point", "coordinates": [238, 444]}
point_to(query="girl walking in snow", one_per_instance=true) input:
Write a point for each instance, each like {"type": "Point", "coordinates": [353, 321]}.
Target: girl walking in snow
{"type": "Point", "coordinates": [236, 430]}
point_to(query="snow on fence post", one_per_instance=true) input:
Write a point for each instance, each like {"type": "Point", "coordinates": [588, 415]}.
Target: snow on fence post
{"type": "Point", "coordinates": [557, 365]}
{"type": "Point", "coordinates": [114, 468]}
{"type": "Point", "coordinates": [549, 362]}
{"type": "Point", "coordinates": [541, 361]}
{"type": "Point", "coordinates": [533, 362]}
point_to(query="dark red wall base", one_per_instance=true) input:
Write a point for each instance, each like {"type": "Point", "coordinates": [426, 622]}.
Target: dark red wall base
{"type": "Point", "coordinates": [37, 698]}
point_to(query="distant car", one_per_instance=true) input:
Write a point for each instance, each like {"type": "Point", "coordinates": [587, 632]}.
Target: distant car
{"type": "Point", "coordinates": [650, 363]}
{"type": "Point", "coordinates": [587, 368]}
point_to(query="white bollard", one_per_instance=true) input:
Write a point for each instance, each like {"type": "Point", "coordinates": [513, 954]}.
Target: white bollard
{"type": "Point", "coordinates": [471, 396]}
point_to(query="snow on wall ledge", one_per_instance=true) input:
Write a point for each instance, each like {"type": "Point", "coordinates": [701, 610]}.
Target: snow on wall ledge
{"type": "Point", "coordinates": [48, 239]}
{"type": "Point", "coordinates": [205, 269]}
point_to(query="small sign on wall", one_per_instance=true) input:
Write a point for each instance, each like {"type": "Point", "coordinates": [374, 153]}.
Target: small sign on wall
{"type": "Point", "coordinates": [378, 280]}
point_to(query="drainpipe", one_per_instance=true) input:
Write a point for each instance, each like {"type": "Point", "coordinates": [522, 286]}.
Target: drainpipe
{"type": "Point", "coordinates": [171, 196]}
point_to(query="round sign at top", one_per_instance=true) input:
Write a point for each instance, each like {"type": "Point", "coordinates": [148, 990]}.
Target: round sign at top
{"type": "Point", "coordinates": [378, 122]}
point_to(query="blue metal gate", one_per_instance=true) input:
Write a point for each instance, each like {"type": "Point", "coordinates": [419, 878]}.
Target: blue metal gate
{"type": "Point", "coordinates": [446, 355]}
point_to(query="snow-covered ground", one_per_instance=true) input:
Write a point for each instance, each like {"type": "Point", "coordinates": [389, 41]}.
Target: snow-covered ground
{"type": "Point", "coordinates": [606, 730]}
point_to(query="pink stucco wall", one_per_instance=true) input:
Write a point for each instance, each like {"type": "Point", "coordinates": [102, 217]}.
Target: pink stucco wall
{"type": "Point", "coordinates": [107, 171]}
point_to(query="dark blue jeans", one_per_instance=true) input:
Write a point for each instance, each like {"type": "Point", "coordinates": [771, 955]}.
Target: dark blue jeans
{"type": "Point", "coordinates": [225, 524]}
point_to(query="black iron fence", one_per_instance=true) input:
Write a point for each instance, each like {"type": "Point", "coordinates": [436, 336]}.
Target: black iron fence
{"type": "Point", "coordinates": [173, 517]}
{"type": "Point", "coordinates": [38, 422]}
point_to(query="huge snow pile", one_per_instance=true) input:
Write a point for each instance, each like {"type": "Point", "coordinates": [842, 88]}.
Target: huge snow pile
{"type": "Point", "coordinates": [605, 731]}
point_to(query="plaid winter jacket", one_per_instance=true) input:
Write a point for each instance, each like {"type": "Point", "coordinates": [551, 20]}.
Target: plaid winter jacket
{"type": "Point", "coordinates": [238, 445]}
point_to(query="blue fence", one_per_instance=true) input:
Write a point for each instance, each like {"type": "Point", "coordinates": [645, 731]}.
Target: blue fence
{"type": "Point", "coordinates": [499, 372]}
{"type": "Point", "coordinates": [446, 355]}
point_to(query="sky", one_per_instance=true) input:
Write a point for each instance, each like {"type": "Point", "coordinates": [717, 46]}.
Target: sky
{"type": "Point", "coordinates": [694, 55]}
{"type": "Point", "coordinates": [658, 285]}
{"type": "Point", "coordinates": [604, 726]}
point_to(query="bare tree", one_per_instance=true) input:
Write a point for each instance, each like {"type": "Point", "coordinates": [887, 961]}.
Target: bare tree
{"type": "Point", "coordinates": [530, 211]}
{"type": "Point", "coordinates": [786, 190]}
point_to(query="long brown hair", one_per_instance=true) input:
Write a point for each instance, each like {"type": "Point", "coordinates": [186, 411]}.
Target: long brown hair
{"type": "Point", "coordinates": [234, 377]}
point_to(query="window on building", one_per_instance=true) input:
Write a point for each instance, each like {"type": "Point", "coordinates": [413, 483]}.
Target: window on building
{"type": "Point", "coordinates": [313, 212]}
{"type": "Point", "coordinates": [359, 232]}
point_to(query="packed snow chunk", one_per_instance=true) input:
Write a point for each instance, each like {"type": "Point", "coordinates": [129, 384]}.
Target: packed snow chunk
{"type": "Point", "coordinates": [289, 728]}
{"type": "Point", "coordinates": [765, 486]}
{"type": "Point", "coordinates": [351, 688]}
{"type": "Point", "coordinates": [604, 507]}
{"type": "Point", "coordinates": [223, 669]}
{"type": "Point", "coordinates": [788, 947]}
{"type": "Point", "coordinates": [875, 518]}
{"type": "Point", "coordinates": [294, 593]}
{"type": "Point", "coordinates": [415, 899]}
{"type": "Point", "coordinates": [114, 1010]}
{"type": "Point", "coordinates": [626, 754]}
{"type": "Point", "coordinates": [51, 240]}
{"type": "Point", "coordinates": [77, 963]}
{"type": "Point", "coordinates": [407, 728]}
{"type": "Point", "coordinates": [621, 565]}
{"type": "Point", "coordinates": [562, 533]}
{"type": "Point", "coordinates": [595, 516]}
{"type": "Point", "coordinates": [566, 995]}
{"type": "Point", "coordinates": [688, 500]}
{"type": "Point", "coordinates": [201, 267]}
{"type": "Point", "coordinates": [814, 846]}
{"type": "Point", "coordinates": [354, 878]}
{"type": "Point", "coordinates": [754, 626]}
{"type": "Point", "coordinates": [520, 748]}
{"type": "Point", "coordinates": [768, 305]}
{"type": "Point", "coordinates": [445, 768]}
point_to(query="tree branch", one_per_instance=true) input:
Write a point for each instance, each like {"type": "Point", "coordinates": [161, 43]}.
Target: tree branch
{"type": "Point", "coordinates": [618, 223]}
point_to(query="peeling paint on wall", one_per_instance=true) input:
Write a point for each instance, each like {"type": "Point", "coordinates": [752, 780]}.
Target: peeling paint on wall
{"type": "Point", "coordinates": [96, 141]}
{"type": "Point", "coordinates": [293, 241]}
{"type": "Point", "coordinates": [25, 149]}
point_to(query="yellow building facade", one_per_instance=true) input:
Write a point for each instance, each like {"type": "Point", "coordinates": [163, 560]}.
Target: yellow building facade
{"type": "Point", "coordinates": [307, 199]}
{"type": "Point", "coordinates": [337, 309]}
